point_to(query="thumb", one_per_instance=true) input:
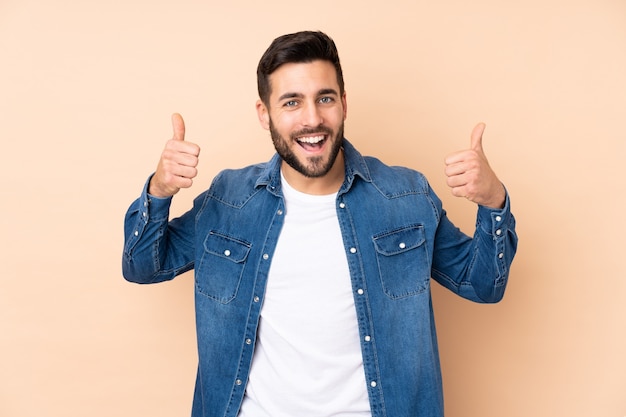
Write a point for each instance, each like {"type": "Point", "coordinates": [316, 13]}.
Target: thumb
{"type": "Point", "coordinates": [178, 124]}
{"type": "Point", "coordinates": [477, 137]}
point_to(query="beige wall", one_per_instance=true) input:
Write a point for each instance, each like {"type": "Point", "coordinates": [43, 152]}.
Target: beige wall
{"type": "Point", "coordinates": [86, 92]}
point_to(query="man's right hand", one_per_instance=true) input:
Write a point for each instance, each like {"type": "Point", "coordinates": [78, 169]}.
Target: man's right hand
{"type": "Point", "coordinates": [177, 166]}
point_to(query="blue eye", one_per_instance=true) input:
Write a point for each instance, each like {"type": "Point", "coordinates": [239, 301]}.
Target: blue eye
{"type": "Point", "coordinates": [326, 100]}
{"type": "Point", "coordinates": [290, 103]}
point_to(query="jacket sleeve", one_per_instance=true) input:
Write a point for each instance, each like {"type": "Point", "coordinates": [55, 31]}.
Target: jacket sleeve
{"type": "Point", "coordinates": [476, 268]}
{"type": "Point", "coordinates": [156, 249]}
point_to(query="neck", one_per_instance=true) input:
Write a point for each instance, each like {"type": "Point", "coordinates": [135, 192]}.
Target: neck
{"type": "Point", "coordinates": [324, 185]}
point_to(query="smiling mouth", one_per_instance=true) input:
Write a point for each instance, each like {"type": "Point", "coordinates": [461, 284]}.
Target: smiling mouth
{"type": "Point", "coordinates": [312, 143]}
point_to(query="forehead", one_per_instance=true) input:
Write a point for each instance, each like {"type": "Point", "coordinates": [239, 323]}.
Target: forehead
{"type": "Point", "coordinates": [303, 78]}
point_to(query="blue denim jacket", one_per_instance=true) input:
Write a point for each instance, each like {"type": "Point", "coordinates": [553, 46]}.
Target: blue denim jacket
{"type": "Point", "coordinates": [396, 237]}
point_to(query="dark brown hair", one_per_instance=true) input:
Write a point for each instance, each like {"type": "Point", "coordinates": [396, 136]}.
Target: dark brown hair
{"type": "Point", "coordinates": [300, 47]}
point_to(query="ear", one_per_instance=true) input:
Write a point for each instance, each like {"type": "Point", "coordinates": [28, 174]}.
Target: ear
{"type": "Point", "coordinates": [263, 115]}
{"type": "Point", "coordinates": [344, 102]}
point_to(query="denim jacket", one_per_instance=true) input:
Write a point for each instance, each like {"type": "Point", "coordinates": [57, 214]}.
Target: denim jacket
{"type": "Point", "coordinates": [396, 237]}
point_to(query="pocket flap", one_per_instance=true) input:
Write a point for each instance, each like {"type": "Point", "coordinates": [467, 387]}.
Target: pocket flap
{"type": "Point", "coordinates": [401, 240]}
{"type": "Point", "coordinates": [226, 247]}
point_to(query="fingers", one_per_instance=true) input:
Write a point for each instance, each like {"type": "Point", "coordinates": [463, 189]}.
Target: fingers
{"type": "Point", "coordinates": [461, 178]}
{"type": "Point", "coordinates": [188, 151]}
{"type": "Point", "coordinates": [177, 166]}
{"type": "Point", "coordinates": [459, 162]}
{"type": "Point", "coordinates": [470, 176]}
{"type": "Point", "coordinates": [170, 180]}
{"type": "Point", "coordinates": [178, 153]}
{"type": "Point", "coordinates": [476, 139]}
{"type": "Point", "coordinates": [457, 169]}
{"type": "Point", "coordinates": [178, 125]}
{"type": "Point", "coordinates": [180, 160]}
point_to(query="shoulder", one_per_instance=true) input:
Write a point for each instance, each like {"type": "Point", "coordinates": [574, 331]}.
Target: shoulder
{"type": "Point", "coordinates": [234, 187]}
{"type": "Point", "coordinates": [240, 176]}
{"type": "Point", "coordinates": [391, 181]}
{"type": "Point", "coordinates": [395, 180]}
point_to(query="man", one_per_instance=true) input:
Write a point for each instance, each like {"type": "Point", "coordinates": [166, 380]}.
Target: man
{"type": "Point", "coordinates": [312, 271]}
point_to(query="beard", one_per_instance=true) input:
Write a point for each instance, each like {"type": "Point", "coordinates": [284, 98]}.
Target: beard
{"type": "Point", "coordinates": [312, 167]}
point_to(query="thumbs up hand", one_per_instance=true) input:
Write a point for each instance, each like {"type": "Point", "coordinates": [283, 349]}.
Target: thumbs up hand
{"type": "Point", "coordinates": [177, 166]}
{"type": "Point", "coordinates": [470, 176]}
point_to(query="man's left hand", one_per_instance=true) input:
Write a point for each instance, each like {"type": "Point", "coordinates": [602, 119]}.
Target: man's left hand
{"type": "Point", "coordinates": [470, 176]}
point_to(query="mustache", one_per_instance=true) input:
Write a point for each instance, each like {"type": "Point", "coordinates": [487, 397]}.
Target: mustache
{"type": "Point", "coordinates": [311, 131]}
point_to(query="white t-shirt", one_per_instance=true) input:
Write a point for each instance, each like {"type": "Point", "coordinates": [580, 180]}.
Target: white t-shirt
{"type": "Point", "coordinates": [307, 359]}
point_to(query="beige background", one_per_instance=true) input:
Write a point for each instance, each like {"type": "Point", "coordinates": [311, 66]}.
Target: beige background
{"type": "Point", "coordinates": [86, 93]}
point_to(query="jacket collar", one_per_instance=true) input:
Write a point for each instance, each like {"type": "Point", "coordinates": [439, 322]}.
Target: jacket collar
{"type": "Point", "coordinates": [355, 166]}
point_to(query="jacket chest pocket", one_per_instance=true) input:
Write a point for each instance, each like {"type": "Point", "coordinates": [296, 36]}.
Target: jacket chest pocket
{"type": "Point", "coordinates": [219, 273]}
{"type": "Point", "coordinates": [403, 262]}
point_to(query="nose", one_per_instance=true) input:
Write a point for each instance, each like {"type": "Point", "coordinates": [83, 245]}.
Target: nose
{"type": "Point", "coordinates": [312, 116]}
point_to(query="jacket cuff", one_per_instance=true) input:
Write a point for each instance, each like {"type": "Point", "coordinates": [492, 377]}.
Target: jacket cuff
{"type": "Point", "coordinates": [153, 208]}
{"type": "Point", "coordinates": [495, 222]}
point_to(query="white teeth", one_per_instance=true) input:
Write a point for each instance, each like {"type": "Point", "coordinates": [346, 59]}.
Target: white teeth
{"type": "Point", "coordinates": [311, 139]}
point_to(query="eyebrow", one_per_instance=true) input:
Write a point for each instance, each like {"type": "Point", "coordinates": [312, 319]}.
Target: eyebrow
{"type": "Point", "coordinates": [322, 92]}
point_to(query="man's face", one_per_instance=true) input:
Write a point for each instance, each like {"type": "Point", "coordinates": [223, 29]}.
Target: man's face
{"type": "Point", "coordinates": [305, 118]}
